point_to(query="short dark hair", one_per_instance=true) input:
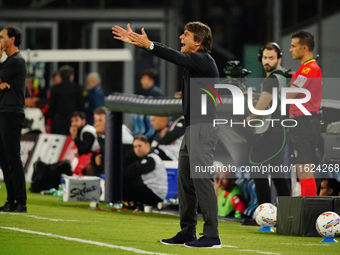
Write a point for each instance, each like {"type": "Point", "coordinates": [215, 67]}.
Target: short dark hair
{"type": "Point", "coordinates": [273, 46]}
{"type": "Point", "coordinates": [100, 110]}
{"type": "Point", "coordinates": [16, 32]}
{"type": "Point", "coordinates": [305, 38]}
{"type": "Point", "coordinates": [333, 184]}
{"type": "Point", "coordinates": [151, 73]}
{"type": "Point", "coordinates": [66, 72]}
{"type": "Point", "coordinates": [78, 114]}
{"type": "Point", "coordinates": [202, 33]}
{"type": "Point", "coordinates": [142, 138]}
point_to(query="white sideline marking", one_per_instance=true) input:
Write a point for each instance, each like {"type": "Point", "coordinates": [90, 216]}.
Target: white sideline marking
{"type": "Point", "coordinates": [250, 250]}
{"type": "Point", "coordinates": [307, 244]}
{"type": "Point", "coordinates": [261, 252]}
{"type": "Point", "coordinates": [230, 246]}
{"type": "Point", "coordinates": [166, 213]}
{"type": "Point", "coordinates": [164, 223]}
{"type": "Point", "coordinates": [50, 219]}
{"type": "Point", "coordinates": [85, 241]}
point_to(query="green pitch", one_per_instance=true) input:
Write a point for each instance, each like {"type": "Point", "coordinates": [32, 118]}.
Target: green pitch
{"type": "Point", "coordinates": [53, 227]}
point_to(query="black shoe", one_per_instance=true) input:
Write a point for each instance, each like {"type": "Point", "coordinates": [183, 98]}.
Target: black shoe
{"type": "Point", "coordinates": [249, 222]}
{"type": "Point", "coordinates": [8, 207]}
{"type": "Point", "coordinates": [19, 208]}
{"type": "Point", "coordinates": [179, 239]}
{"type": "Point", "coordinates": [205, 242]}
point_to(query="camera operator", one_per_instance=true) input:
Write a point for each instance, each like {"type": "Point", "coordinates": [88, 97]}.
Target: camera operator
{"type": "Point", "coordinates": [269, 139]}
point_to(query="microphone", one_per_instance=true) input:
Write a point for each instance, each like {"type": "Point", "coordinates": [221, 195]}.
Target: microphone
{"type": "Point", "coordinates": [317, 57]}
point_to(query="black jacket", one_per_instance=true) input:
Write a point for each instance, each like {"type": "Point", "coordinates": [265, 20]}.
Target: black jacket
{"type": "Point", "coordinates": [66, 98]}
{"type": "Point", "coordinates": [13, 71]}
{"type": "Point", "coordinates": [198, 65]}
{"type": "Point", "coordinates": [153, 91]}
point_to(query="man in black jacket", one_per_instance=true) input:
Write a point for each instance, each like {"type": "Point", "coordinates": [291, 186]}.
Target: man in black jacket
{"type": "Point", "coordinates": [145, 180]}
{"type": "Point", "coordinates": [270, 138]}
{"type": "Point", "coordinates": [200, 136]}
{"type": "Point", "coordinates": [85, 138]}
{"type": "Point", "coordinates": [12, 116]}
{"type": "Point", "coordinates": [66, 98]}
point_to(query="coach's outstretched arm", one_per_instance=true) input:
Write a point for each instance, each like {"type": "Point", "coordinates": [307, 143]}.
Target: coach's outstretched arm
{"type": "Point", "coordinates": [128, 36]}
{"type": "Point", "coordinates": [197, 63]}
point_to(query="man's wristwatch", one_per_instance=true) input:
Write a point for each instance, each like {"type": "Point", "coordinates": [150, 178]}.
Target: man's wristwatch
{"type": "Point", "coordinates": [151, 46]}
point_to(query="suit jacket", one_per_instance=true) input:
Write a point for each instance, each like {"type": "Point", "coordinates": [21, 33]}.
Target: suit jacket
{"type": "Point", "coordinates": [66, 98]}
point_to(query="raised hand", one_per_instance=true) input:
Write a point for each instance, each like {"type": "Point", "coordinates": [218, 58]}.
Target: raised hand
{"type": "Point", "coordinates": [139, 40]}
{"type": "Point", "coordinates": [98, 159]}
{"type": "Point", "coordinates": [121, 33]}
{"type": "Point", "coordinates": [128, 36]}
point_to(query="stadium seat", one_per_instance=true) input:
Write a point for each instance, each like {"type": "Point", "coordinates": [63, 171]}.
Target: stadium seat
{"type": "Point", "coordinates": [252, 205]}
{"type": "Point", "coordinates": [247, 186]}
{"type": "Point", "coordinates": [138, 124]}
{"type": "Point", "coordinates": [149, 129]}
{"type": "Point", "coordinates": [171, 169]}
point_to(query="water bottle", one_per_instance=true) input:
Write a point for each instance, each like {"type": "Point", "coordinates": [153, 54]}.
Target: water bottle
{"type": "Point", "coordinates": [238, 215]}
{"type": "Point", "coordinates": [117, 206]}
{"type": "Point", "coordinates": [60, 191]}
{"type": "Point", "coordinates": [54, 192]}
{"type": "Point", "coordinates": [45, 192]}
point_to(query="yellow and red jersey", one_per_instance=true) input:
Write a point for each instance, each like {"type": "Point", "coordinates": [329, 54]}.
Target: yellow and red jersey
{"type": "Point", "coordinates": [309, 77]}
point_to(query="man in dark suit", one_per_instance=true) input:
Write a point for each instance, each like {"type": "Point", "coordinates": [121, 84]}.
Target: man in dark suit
{"type": "Point", "coordinates": [66, 98]}
{"type": "Point", "coordinates": [200, 137]}
{"type": "Point", "coordinates": [12, 116]}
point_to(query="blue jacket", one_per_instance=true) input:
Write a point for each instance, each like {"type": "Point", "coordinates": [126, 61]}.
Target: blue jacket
{"type": "Point", "coordinates": [95, 99]}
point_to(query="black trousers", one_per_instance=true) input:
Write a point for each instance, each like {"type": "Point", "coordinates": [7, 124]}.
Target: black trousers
{"type": "Point", "coordinates": [197, 150]}
{"type": "Point", "coordinates": [10, 159]}
{"type": "Point", "coordinates": [263, 190]}
{"type": "Point", "coordinates": [264, 147]}
{"type": "Point", "coordinates": [135, 190]}
{"type": "Point", "coordinates": [304, 139]}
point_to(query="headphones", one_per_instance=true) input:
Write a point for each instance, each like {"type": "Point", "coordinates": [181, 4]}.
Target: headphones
{"type": "Point", "coordinates": [279, 52]}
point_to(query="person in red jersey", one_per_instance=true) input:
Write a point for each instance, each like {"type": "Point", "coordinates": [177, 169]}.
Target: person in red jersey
{"type": "Point", "coordinates": [305, 136]}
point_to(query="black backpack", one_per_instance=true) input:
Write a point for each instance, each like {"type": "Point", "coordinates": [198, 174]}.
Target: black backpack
{"type": "Point", "coordinates": [47, 176]}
